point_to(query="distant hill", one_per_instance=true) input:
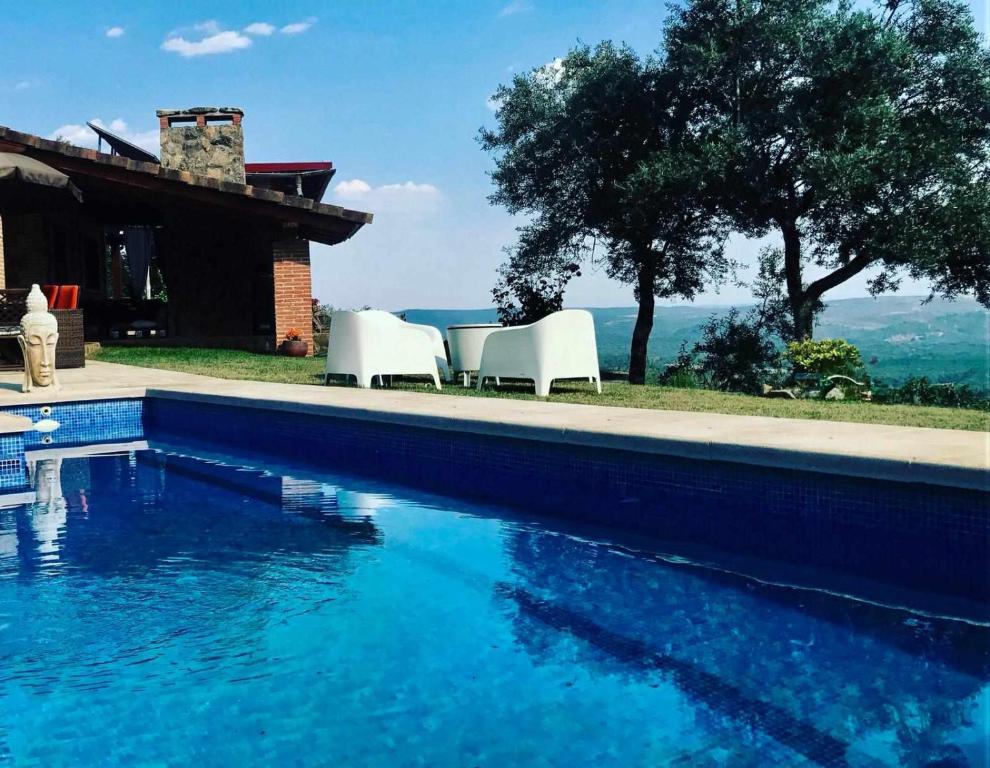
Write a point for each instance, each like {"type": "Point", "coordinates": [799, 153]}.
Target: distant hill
{"type": "Point", "coordinates": [947, 341]}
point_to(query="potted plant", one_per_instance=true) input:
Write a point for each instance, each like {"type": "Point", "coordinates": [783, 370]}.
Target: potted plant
{"type": "Point", "coordinates": [293, 345]}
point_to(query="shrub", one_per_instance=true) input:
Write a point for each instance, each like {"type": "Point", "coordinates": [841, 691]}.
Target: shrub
{"type": "Point", "coordinates": [826, 357]}
{"type": "Point", "coordinates": [321, 317]}
{"type": "Point", "coordinates": [680, 375]}
{"type": "Point", "coordinates": [522, 298]}
{"type": "Point", "coordinates": [921, 391]}
{"type": "Point", "coordinates": [734, 354]}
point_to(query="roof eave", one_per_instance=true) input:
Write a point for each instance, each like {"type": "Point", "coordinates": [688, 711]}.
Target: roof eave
{"type": "Point", "coordinates": [121, 169]}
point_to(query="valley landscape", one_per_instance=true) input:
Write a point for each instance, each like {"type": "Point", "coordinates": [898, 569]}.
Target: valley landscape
{"type": "Point", "coordinates": [898, 336]}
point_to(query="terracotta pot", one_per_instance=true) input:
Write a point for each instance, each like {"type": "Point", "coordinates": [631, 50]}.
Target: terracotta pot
{"type": "Point", "coordinates": [293, 348]}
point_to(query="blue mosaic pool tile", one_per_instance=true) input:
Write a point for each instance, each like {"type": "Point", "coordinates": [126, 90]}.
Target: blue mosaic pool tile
{"type": "Point", "coordinates": [906, 534]}
{"type": "Point", "coordinates": [12, 468]}
{"type": "Point", "coordinates": [98, 421]}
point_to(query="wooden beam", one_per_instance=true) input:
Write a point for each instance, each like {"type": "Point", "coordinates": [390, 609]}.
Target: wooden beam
{"type": "Point", "coordinates": [321, 227]}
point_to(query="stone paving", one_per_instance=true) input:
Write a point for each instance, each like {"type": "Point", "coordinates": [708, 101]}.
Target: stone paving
{"type": "Point", "coordinates": [914, 454]}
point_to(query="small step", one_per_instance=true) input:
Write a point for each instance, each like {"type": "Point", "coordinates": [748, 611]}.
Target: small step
{"type": "Point", "coordinates": [11, 424]}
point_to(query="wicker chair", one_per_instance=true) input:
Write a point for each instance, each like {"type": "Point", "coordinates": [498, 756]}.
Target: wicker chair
{"type": "Point", "coordinates": [71, 349]}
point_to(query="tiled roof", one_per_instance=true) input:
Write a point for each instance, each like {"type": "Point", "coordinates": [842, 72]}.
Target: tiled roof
{"type": "Point", "coordinates": [8, 135]}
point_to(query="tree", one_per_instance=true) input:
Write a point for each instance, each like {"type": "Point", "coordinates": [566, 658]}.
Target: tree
{"type": "Point", "coordinates": [591, 150]}
{"type": "Point", "coordinates": [862, 136]}
{"type": "Point", "coordinates": [522, 297]}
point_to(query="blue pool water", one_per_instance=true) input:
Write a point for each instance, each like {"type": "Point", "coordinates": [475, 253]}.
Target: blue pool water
{"type": "Point", "coordinates": [175, 607]}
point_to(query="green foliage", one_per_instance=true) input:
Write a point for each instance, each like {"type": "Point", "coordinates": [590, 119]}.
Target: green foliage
{"type": "Point", "coordinates": [680, 374]}
{"type": "Point", "coordinates": [522, 298]}
{"type": "Point", "coordinates": [826, 357]}
{"type": "Point", "coordinates": [920, 391]}
{"type": "Point", "coordinates": [734, 354]}
{"type": "Point", "coordinates": [590, 149]}
{"type": "Point", "coordinates": [321, 317]}
{"type": "Point", "coordinates": [859, 133]}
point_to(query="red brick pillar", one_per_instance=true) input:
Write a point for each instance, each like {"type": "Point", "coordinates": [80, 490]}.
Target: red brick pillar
{"type": "Point", "coordinates": [293, 290]}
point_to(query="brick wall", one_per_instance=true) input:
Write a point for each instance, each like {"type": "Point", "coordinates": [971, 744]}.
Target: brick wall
{"type": "Point", "coordinates": [293, 289]}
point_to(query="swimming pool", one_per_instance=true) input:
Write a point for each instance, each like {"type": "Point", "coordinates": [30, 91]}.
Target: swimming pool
{"type": "Point", "coordinates": [182, 603]}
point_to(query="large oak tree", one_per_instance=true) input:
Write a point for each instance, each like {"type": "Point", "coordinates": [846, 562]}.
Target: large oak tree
{"type": "Point", "coordinates": [592, 151]}
{"type": "Point", "coordinates": [860, 134]}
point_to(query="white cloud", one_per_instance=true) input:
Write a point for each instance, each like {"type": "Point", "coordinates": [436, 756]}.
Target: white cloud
{"type": "Point", "coordinates": [211, 27]}
{"type": "Point", "coordinates": [359, 189]}
{"type": "Point", "coordinates": [298, 27]}
{"type": "Point", "coordinates": [552, 71]}
{"type": "Point", "coordinates": [214, 41]}
{"type": "Point", "coordinates": [493, 103]}
{"type": "Point", "coordinates": [406, 201]}
{"type": "Point", "coordinates": [80, 135]}
{"type": "Point", "coordinates": [261, 28]}
{"type": "Point", "coordinates": [352, 188]}
{"type": "Point", "coordinates": [516, 6]}
{"type": "Point", "coordinates": [411, 188]}
{"type": "Point", "coordinates": [83, 135]}
{"type": "Point", "coordinates": [115, 31]}
{"type": "Point", "coordinates": [418, 239]}
{"type": "Point", "coordinates": [23, 85]}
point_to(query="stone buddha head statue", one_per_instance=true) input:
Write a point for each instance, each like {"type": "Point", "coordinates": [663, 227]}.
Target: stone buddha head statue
{"type": "Point", "coordinates": [48, 483]}
{"type": "Point", "coordinates": [50, 509]}
{"type": "Point", "coordinates": [38, 337]}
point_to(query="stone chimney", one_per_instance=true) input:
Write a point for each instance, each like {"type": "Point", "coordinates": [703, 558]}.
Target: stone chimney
{"type": "Point", "coordinates": [206, 141]}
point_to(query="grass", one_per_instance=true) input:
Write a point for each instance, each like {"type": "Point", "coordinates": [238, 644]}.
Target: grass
{"type": "Point", "coordinates": [229, 364]}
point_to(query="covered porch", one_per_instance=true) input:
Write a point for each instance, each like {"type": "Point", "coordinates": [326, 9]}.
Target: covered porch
{"type": "Point", "coordinates": [164, 256]}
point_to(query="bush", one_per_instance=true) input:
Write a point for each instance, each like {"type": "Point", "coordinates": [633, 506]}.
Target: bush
{"type": "Point", "coordinates": [522, 298]}
{"type": "Point", "coordinates": [826, 357]}
{"type": "Point", "coordinates": [680, 376]}
{"type": "Point", "coordinates": [920, 391]}
{"type": "Point", "coordinates": [321, 317]}
{"type": "Point", "coordinates": [734, 355]}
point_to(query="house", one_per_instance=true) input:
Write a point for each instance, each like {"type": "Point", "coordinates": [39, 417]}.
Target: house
{"type": "Point", "coordinates": [197, 246]}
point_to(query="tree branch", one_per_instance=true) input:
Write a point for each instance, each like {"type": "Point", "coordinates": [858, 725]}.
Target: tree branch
{"type": "Point", "coordinates": [816, 289]}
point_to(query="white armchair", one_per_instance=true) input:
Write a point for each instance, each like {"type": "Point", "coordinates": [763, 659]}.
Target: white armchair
{"type": "Point", "coordinates": [375, 343]}
{"type": "Point", "coordinates": [560, 346]}
{"type": "Point", "coordinates": [436, 339]}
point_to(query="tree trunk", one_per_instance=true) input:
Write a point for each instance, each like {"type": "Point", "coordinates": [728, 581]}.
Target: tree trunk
{"type": "Point", "coordinates": [801, 305]}
{"type": "Point", "coordinates": [804, 299]}
{"type": "Point", "coordinates": [804, 319]}
{"type": "Point", "coordinates": [644, 325]}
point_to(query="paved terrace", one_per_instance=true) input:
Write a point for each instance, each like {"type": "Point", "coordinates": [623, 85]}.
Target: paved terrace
{"type": "Point", "coordinates": [937, 456]}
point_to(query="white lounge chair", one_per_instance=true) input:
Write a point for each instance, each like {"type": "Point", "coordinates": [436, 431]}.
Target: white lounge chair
{"type": "Point", "coordinates": [560, 346]}
{"type": "Point", "coordinates": [439, 350]}
{"type": "Point", "coordinates": [375, 343]}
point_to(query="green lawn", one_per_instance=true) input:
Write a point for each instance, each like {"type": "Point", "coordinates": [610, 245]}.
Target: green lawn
{"type": "Point", "coordinates": [229, 364]}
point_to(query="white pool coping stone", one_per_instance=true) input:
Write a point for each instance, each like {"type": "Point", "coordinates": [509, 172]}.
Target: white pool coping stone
{"type": "Point", "coordinates": [13, 425]}
{"type": "Point", "coordinates": [953, 458]}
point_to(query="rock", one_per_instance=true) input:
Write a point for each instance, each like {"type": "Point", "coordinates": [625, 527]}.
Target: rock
{"type": "Point", "coordinates": [215, 150]}
{"type": "Point", "coordinates": [784, 393]}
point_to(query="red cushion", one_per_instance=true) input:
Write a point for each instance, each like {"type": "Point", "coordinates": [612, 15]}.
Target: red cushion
{"type": "Point", "coordinates": [51, 293]}
{"type": "Point", "coordinates": [68, 297]}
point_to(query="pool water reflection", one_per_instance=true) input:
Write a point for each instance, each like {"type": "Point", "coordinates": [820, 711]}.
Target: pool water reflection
{"type": "Point", "coordinates": [171, 607]}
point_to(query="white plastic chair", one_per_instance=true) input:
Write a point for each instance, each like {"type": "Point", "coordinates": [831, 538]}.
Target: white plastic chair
{"type": "Point", "coordinates": [560, 346]}
{"type": "Point", "coordinates": [375, 343]}
{"type": "Point", "coordinates": [436, 338]}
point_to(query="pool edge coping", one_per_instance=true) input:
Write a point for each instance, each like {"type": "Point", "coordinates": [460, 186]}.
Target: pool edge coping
{"type": "Point", "coordinates": [876, 468]}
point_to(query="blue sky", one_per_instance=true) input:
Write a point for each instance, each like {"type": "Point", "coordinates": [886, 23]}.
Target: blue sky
{"type": "Point", "coordinates": [393, 93]}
